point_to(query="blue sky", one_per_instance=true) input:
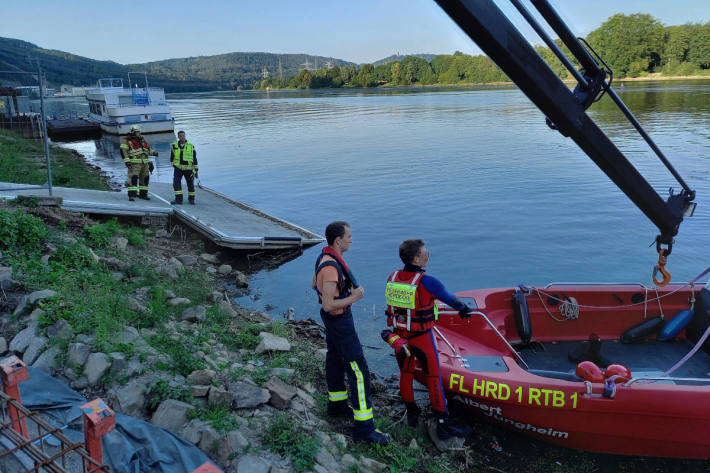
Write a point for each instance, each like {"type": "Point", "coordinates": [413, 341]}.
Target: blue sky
{"type": "Point", "coordinates": [358, 31]}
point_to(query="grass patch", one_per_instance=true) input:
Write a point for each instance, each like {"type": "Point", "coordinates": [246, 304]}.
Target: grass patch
{"type": "Point", "coordinates": [22, 161]}
{"type": "Point", "coordinates": [221, 418]}
{"type": "Point", "coordinates": [284, 438]}
{"type": "Point", "coordinates": [180, 352]}
{"type": "Point", "coordinates": [161, 390]}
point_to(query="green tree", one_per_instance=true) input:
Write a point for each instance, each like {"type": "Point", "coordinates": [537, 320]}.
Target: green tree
{"type": "Point", "coordinates": [396, 71]}
{"type": "Point", "coordinates": [366, 76]}
{"type": "Point", "coordinates": [623, 40]}
{"type": "Point", "coordinates": [699, 46]}
{"type": "Point", "coordinates": [677, 44]}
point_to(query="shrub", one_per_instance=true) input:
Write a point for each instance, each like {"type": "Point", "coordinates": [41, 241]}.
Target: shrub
{"type": "Point", "coordinates": [284, 438]}
{"type": "Point", "coordinates": [18, 229]}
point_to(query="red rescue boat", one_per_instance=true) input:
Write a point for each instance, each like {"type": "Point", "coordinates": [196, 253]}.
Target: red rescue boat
{"type": "Point", "coordinates": [512, 364]}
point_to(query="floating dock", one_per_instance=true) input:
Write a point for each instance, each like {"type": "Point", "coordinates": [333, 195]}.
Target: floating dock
{"type": "Point", "coordinates": [224, 221]}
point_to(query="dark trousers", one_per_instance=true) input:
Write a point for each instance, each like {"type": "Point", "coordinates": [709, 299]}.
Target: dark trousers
{"type": "Point", "coordinates": [189, 176]}
{"type": "Point", "coordinates": [422, 346]}
{"type": "Point", "coordinates": [345, 357]}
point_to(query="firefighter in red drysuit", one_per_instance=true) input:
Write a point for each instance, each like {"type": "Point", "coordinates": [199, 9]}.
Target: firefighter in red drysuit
{"type": "Point", "coordinates": [412, 312]}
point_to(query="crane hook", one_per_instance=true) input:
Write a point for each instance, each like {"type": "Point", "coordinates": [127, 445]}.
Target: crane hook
{"type": "Point", "coordinates": [661, 267]}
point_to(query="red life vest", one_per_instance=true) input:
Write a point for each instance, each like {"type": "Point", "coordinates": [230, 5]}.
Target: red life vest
{"type": "Point", "coordinates": [423, 316]}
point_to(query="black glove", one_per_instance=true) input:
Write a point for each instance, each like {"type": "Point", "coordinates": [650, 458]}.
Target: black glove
{"type": "Point", "coordinates": [465, 313]}
{"type": "Point", "coordinates": [151, 166]}
{"type": "Point", "coordinates": [128, 165]}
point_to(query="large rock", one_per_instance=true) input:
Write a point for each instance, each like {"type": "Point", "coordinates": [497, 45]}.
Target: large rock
{"type": "Point", "coordinates": [327, 460]}
{"type": "Point", "coordinates": [240, 280]}
{"type": "Point", "coordinates": [128, 335]}
{"type": "Point", "coordinates": [61, 330]}
{"type": "Point", "coordinates": [252, 464]}
{"type": "Point", "coordinates": [35, 348]}
{"type": "Point", "coordinates": [47, 361]}
{"type": "Point", "coordinates": [209, 258]}
{"type": "Point", "coordinates": [96, 366]}
{"type": "Point", "coordinates": [119, 243]}
{"type": "Point", "coordinates": [22, 306]}
{"type": "Point", "coordinates": [3, 345]}
{"type": "Point", "coordinates": [202, 377]}
{"type": "Point", "coordinates": [171, 415]}
{"type": "Point", "coordinates": [187, 260]}
{"type": "Point", "coordinates": [193, 314]}
{"type": "Point", "coordinates": [224, 269]}
{"type": "Point", "coordinates": [22, 340]}
{"type": "Point", "coordinates": [78, 353]}
{"type": "Point", "coordinates": [270, 342]}
{"type": "Point", "coordinates": [220, 397]}
{"type": "Point", "coordinates": [247, 395]}
{"type": "Point", "coordinates": [281, 393]}
{"type": "Point", "coordinates": [41, 295]}
{"type": "Point", "coordinates": [178, 301]}
{"type": "Point", "coordinates": [129, 399]}
{"type": "Point", "coordinates": [226, 308]}
{"type": "Point", "coordinates": [192, 432]}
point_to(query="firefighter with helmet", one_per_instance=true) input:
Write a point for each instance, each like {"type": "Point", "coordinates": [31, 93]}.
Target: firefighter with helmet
{"type": "Point", "coordinates": [136, 154]}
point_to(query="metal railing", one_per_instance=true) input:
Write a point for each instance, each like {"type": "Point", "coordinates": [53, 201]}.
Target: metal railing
{"type": "Point", "coordinates": [34, 449]}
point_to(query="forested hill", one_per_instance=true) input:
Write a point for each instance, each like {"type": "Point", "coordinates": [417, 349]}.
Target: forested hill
{"type": "Point", "coordinates": [224, 71]}
{"type": "Point", "coordinates": [399, 57]}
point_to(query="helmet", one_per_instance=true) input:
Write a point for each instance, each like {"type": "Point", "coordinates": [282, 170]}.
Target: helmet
{"type": "Point", "coordinates": [589, 371]}
{"type": "Point", "coordinates": [135, 128]}
{"type": "Point", "coordinates": [622, 373]}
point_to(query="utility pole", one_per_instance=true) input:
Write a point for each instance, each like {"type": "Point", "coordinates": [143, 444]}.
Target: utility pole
{"type": "Point", "coordinates": [44, 126]}
{"type": "Point", "coordinates": [281, 71]}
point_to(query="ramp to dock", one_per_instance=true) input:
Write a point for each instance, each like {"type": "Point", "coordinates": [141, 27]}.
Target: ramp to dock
{"type": "Point", "coordinates": [226, 222]}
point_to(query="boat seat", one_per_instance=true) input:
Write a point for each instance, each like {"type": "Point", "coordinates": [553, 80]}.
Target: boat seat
{"type": "Point", "coordinates": [556, 374]}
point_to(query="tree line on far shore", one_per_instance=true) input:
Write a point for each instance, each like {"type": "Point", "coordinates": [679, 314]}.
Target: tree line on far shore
{"type": "Point", "coordinates": [632, 45]}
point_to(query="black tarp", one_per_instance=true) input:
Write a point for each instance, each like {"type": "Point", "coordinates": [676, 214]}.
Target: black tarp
{"type": "Point", "coordinates": [134, 446]}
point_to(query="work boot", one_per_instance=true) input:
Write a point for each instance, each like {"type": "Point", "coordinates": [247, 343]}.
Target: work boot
{"type": "Point", "coordinates": [373, 436]}
{"type": "Point", "coordinates": [446, 428]}
{"type": "Point", "coordinates": [131, 198]}
{"type": "Point", "coordinates": [176, 202]}
{"type": "Point", "coordinates": [339, 409]}
{"type": "Point", "coordinates": [144, 197]}
{"type": "Point", "coordinates": [191, 202]}
{"type": "Point", "coordinates": [413, 412]}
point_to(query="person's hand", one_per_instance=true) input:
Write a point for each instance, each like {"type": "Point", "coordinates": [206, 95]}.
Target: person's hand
{"type": "Point", "coordinates": [156, 154]}
{"type": "Point", "coordinates": [465, 313]}
{"type": "Point", "coordinates": [128, 165]}
{"type": "Point", "coordinates": [195, 174]}
{"type": "Point", "coordinates": [151, 167]}
{"type": "Point", "coordinates": [357, 293]}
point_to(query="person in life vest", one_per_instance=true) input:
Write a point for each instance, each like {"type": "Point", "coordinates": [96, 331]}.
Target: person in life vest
{"type": "Point", "coordinates": [411, 313]}
{"type": "Point", "coordinates": [136, 151]}
{"type": "Point", "coordinates": [183, 157]}
{"type": "Point", "coordinates": [337, 290]}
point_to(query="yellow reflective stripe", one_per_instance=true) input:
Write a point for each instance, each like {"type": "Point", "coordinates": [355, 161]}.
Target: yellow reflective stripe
{"type": "Point", "coordinates": [360, 381]}
{"type": "Point", "coordinates": [436, 311]}
{"type": "Point", "coordinates": [178, 192]}
{"type": "Point", "coordinates": [363, 415]}
{"type": "Point", "coordinates": [337, 396]}
{"type": "Point", "coordinates": [401, 295]}
{"type": "Point", "coordinates": [393, 339]}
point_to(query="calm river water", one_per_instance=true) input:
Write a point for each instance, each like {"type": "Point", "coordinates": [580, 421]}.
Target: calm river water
{"type": "Point", "coordinates": [499, 197]}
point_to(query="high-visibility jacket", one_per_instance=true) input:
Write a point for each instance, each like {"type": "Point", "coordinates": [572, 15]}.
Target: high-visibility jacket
{"type": "Point", "coordinates": [183, 158]}
{"type": "Point", "coordinates": [410, 306]}
{"type": "Point", "coordinates": [136, 150]}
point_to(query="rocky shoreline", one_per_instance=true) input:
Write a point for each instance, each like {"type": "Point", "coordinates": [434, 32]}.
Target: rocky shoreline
{"type": "Point", "coordinates": [219, 375]}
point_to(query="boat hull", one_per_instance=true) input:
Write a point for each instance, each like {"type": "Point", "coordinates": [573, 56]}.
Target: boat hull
{"type": "Point", "coordinates": [664, 419]}
{"type": "Point", "coordinates": [162, 126]}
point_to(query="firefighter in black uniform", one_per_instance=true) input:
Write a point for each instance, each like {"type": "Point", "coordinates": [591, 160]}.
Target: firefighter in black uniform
{"type": "Point", "coordinates": [184, 160]}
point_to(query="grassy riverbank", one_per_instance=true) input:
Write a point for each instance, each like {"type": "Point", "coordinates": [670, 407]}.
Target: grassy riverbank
{"type": "Point", "coordinates": [22, 161]}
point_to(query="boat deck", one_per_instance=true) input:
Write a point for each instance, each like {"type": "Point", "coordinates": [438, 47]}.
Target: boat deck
{"type": "Point", "coordinates": [649, 356]}
{"type": "Point", "coordinates": [226, 222]}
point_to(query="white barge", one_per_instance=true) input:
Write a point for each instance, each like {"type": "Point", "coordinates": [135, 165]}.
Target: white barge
{"type": "Point", "coordinates": [116, 108]}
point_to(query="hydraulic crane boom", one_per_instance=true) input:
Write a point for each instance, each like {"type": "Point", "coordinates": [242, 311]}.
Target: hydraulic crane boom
{"type": "Point", "coordinates": [565, 109]}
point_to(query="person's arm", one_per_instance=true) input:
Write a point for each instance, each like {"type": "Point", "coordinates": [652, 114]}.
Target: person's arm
{"type": "Point", "coordinates": [330, 303]}
{"type": "Point", "coordinates": [172, 155]}
{"type": "Point", "coordinates": [124, 153]}
{"type": "Point", "coordinates": [437, 289]}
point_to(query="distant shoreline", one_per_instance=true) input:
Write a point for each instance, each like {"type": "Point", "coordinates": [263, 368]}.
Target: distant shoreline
{"type": "Point", "coordinates": [654, 77]}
